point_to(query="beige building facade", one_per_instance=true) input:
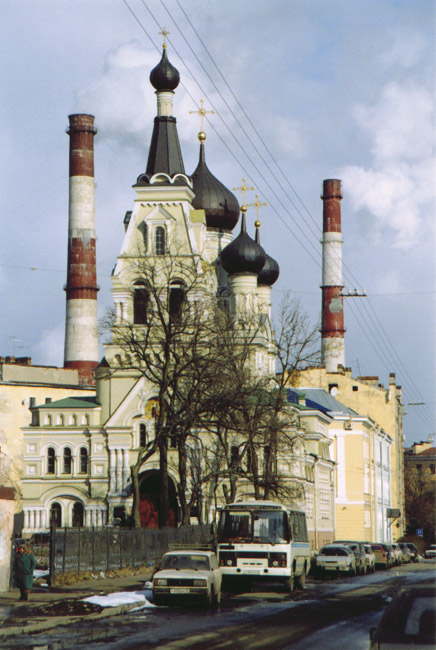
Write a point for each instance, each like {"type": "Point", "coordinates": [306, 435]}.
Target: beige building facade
{"type": "Point", "coordinates": [368, 450]}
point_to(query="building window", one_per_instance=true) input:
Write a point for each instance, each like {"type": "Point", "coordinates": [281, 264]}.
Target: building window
{"type": "Point", "coordinates": [142, 435]}
{"type": "Point", "coordinates": [51, 461]}
{"type": "Point", "coordinates": [77, 519]}
{"type": "Point", "coordinates": [160, 241]}
{"type": "Point", "coordinates": [56, 515]}
{"type": "Point", "coordinates": [83, 458]}
{"type": "Point", "coordinates": [176, 298]}
{"type": "Point", "coordinates": [32, 402]}
{"type": "Point", "coordinates": [141, 298]}
{"type": "Point", "coordinates": [234, 457]}
{"type": "Point", "coordinates": [67, 461]}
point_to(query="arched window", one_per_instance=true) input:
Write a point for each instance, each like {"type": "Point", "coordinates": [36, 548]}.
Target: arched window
{"type": "Point", "coordinates": [67, 461]}
{"type": "Point", "coordinates": [142, 435]}
{"type": "Point", "coordinates": [56, 515]}
{"type": "Point", "coordinates": [51, 461]}
{"type": "Point", "coordinates": [141, 298]}
{"type": "Point", "coordinates": [77, 520]}
{"type": "Point", "coordinates": [83, 459]}
{"type": "Point", "coordinates": [176, 298]}
{"type": "Point", "coordinates": [159, 240]}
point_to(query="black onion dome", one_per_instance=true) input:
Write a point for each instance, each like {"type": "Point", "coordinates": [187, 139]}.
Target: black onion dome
{"type": "Point", "coordinates": [243, 255]}
{"type": "Point", "coordinates": [164, 76]}
{"type": "Point", "coordinates": [271, 270]}
{"type": "Point", "coordinates": [220, 204]}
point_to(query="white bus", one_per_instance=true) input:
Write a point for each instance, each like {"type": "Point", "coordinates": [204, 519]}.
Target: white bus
{"type": "Point", "coordinates": [263, 541]}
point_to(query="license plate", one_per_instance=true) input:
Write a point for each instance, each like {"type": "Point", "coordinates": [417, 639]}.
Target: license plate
{"type": "Point", "coordinates": [179, 590]}
{"type": "Point", "coordinates": [252, 572]}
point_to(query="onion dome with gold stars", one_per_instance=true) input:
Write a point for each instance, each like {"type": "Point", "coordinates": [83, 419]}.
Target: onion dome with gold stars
{"type": "Point", "coordinates": [243, 254]}
{"type": "Point", "coordinates": [219, 203]}
{"type": "Point", "coordinates": [271, 270]}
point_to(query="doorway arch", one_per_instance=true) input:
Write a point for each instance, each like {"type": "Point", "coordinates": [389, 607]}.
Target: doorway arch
{"type": "Point", "coordinates": [149, 504]}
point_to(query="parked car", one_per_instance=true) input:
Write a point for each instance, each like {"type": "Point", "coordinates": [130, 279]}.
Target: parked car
{"type": "Point", "coordinates": [397, 554]}
{"type": "Point", "coordinates": [430, 552]}
{"type": "Point", "coordinates": [382, 559]}
{"type": "Point", "coordinates": [414, 553]}
{"type": "Point", "coordinates": [409, 621]}
{"type": "Point", "coordinates": [407, 556]}
{"type": "Point", "coordinates": [335, 559]}
{"type": "Point", "coordinates": [390, 551]}
{"type": "Point", "coordinates": [358, 549]}
{"type": "Point", "coordinates": [370, 558]}
{"type": "Point", "coordinates": [187, 576]}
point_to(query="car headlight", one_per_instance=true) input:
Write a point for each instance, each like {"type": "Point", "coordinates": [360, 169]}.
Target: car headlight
{"type": "Point", "coordinates": [200, 583]}
{"type": "Point", "coordinates": [160, 582]}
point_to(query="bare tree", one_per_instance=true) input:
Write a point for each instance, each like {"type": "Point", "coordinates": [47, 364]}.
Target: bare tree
{"type": "Point", "coordinates": [167, 340]}
{"type": "Point", "coordinates": [420, 504]}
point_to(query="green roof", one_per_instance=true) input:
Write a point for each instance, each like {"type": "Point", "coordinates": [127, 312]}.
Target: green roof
{"type": "Point", "coordinates": [78, 402]}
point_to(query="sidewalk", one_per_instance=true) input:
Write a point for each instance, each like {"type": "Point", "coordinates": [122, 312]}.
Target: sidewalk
{"type": "Point", "coordinates": [52, 606]}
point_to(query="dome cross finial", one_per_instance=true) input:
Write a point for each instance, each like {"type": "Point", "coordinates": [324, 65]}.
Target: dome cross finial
{"type": "Point", "coordinates": [202, 112]}
{"type": "Point", "coordinates": [164, 33]}
{"type": "Point", "coordinates": [257, 204]}
{"type": "Point", "coordinates": [244, 189]}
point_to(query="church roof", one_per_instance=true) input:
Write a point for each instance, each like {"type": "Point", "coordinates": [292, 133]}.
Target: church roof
{"type": "Point", "coordinates": [165, 155]}
{"type": "Point", "coordinates": [218, 202]}
{"type": "Point", "coordinates": [271, 270]}
{"type": "Point", "coordinates": [243, 254]}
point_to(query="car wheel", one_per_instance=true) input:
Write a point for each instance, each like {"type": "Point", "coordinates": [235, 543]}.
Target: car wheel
{"type": "Point", "coordinates": [352, 571]}
{"type": "Point", "coordinates": [211, 600]}
{"type": "Point", "coordinates": [158, 601]}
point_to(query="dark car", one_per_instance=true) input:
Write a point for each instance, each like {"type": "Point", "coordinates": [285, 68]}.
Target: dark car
{"type": "Point", "coordinates": [358, 549]}
{"type": "Point", "coordinates": [409, 620]}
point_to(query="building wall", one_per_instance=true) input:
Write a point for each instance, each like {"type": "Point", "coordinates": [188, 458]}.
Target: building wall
{"type": "Point", "coordinates": [18, 386]}
{"type": "Point", "coordinates": [383, 406]}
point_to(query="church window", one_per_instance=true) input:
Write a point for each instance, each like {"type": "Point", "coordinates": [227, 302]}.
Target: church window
{"type": "Point", "coordinates": [67, 461]}
{"type": "Point", "coordinates": [142, 435]}
{"type": "Point", "coordinates": [51, 460]}
{"type": "Point", "coordinates": [144, 229]}
{"type": "Point", "coordinates": [176, 298]}
{"type": "Point", "coordinates": [160, 240]}
{"type": "Point", "coordinates": [83, 459]}
{"type": "Point", "coordinates": [141, 298]}
{"type": "Point", "coordinates": [77, 518]}
{"type": "Point", "coordinates": [234, 457]}
{"type": "Point", "coordinates": [56, 515]}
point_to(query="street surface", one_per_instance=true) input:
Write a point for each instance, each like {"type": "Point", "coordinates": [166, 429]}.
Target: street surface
{"type": "Point", "coordinates": [334, 614]}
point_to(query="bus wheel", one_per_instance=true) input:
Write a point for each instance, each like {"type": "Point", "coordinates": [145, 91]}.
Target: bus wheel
{"type": "Point", "coordinates": [301, 580]}
{"type": "Point", "coordinates": [289, 584]}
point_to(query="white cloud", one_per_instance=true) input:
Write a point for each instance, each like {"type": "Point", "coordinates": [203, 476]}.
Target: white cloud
{"type": "Point", "coordinates": [406, 47]}
{"type": "Point", "coordinates": [399, 185]}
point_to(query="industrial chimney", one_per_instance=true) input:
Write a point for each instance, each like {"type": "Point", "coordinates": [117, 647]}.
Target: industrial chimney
{"type": "Point", "coordinates": [81, 338]}
{"type": "Point", "coordinates": [332, 329]}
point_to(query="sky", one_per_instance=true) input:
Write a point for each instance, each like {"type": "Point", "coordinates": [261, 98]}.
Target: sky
{"type": "Point", "coordinates": [303, 90]}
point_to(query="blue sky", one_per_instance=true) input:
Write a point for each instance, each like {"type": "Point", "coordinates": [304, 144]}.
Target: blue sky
{"type": "Point", "coordinates": [334, 88]}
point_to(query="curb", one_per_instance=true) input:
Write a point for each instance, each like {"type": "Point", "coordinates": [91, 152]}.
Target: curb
{"type": "Point", "coordinates": [55, 621]}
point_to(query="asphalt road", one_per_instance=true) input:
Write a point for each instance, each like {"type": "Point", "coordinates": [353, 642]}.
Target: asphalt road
{"type": "Point", "coordinates": [329, 615]}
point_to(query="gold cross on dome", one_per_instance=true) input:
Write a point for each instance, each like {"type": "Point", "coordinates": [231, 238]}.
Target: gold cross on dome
{"type": "Point", "coordinates": [257, 204]}
{"type": "Point", "coordinates": [164, 33]}
{"type": "Point", "coordinates": [201, 112]}
{"type": "Point", "coordinates": [244, 189]}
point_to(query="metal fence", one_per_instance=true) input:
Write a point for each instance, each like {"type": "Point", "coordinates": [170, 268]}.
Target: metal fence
{"type": "Point", "coordinates": [102, 549]}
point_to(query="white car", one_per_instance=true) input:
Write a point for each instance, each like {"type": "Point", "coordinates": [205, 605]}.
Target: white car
{"type": "Point", "coordinates": [336, 558]}
{"type": "Point", "coordinates": [187, 576]}
{"type": "Point", "coordinates": [369, 558]}
{"type": "Point", "coordinates": [430, 552]}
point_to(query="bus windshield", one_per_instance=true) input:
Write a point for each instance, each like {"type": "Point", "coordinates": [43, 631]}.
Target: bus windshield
{"type": "Point", "coordinates": [255, 526]}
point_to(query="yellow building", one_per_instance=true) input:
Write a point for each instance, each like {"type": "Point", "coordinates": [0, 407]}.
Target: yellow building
{"type": "Point", "coordinates": [368, 447]}
{"type": "Point", "coordinates": [23, 386]}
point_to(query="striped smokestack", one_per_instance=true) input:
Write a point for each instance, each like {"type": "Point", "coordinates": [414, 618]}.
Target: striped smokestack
{"type": "Point", "coordinates": [332, 329]}
{"type": "Point", "coordinates": [81, 338]}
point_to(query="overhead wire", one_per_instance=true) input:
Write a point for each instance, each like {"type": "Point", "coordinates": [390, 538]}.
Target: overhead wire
{"type": "Point", "coordinates": [389, 354]}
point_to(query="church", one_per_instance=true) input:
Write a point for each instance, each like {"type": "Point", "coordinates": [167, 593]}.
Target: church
{"type": "Point", "coordinates": [187, 234]}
